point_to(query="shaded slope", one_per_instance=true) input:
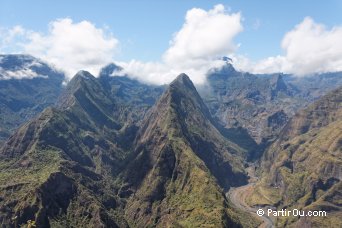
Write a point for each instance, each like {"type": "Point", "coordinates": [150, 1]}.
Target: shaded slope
{"type": "Point", "coordinates": [133, 97]}
{"type": "Point", "coordinates": [303, 168]}
{"type": "Point", "coordinates": [21, 96]}
{"type": "Point", "coordinates": [68, 158]}
{"type": "Point", "coordinates": [261, 105]}
{"type": "Point", "coordinates": [87, 163]}
{"type": "Point", "coordinates": [179, 152]}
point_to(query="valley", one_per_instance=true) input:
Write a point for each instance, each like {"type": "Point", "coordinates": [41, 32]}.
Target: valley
{"type": "Point", "coordinates": [111, 151]}
{"type": "Point", "coordinates": [239, 195]}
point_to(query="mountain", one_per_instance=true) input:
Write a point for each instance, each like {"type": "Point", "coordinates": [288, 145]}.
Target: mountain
{"type": "Point", "coordinates": [302, 168]}
{"type": "Point", "coordinates": [27, 86]}
{"type": "Point", "coordinates": [59, 156]}
{"type": "Point", "coordinates": [135, 96]}
{"type": "Point", "coordinates": [111, 151]}
{"type": "Point", "coordinates": [262, 104]}
{"type": "Point", "coordinates": [179, 153]}
{"type": "Point", "coordinates": [67, 158]}
{"type": "Point", "coordinates": [90, 162]}
{"type": "Point", "coordinates": [317, 85]}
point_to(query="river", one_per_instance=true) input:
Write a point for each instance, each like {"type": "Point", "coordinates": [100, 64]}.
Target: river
{"type": "Point", "coordinates": [238, 197]}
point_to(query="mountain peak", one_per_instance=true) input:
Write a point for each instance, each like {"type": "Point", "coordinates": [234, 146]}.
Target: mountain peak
{"type": "Point", "coordinates": [183, 80]}
{"type": "Point", "coordinates": [228, 67]}
{"type": "Point", "coordinates": [81, 80]}
{"type": "Point", "coordinates": [84, 74]}
{"type": "Point", "coordinates": [177, 147]}
{"type": "Point", "coordinates": [277, 79]}
{"type": "Point", "coordinates": [182, 88]}
{"type": "Point", "coordinates": [227, 70]}
{"type": "Point", "coordinates": [109, 70]}
{"type": "Point", "coordinates": [278, 85]}
{"type": "Point", "coordinates": [80, 77]}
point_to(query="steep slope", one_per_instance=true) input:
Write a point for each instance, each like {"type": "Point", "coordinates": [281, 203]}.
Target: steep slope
{"type": "Point", "coordinates": [66, 158]}
{"type": "Point", "coordinates": [86, 164]}
{"type": "Point", "coordinates": [27, 86]}
{"type": "Point", "coordinates": [303, 168]}
{"type": "Point", "coordinates": [135, 97]}
{"type": "Point", "coordinates": [181, 162]}
{"type": "Point", "coordinates": [262, 104]}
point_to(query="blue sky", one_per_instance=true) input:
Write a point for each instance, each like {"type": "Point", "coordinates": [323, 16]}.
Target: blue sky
{"type": "Point", "coordinates": [144, 29]}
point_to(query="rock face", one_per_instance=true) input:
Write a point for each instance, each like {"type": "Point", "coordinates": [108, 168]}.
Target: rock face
{"type": "Point", "coordinates": [177, 150]}
{"type": "Point", "coordinates": [262, 104]}
{"type": "Point", "coordinates": [27, 86]}
{"type": "Point", "coordinates": [114, 152]}
{"type": "Point", "coordinates": [303, 167]}
{"type": "Point", "coordinates": [259, 104]}
{"type": "Point", "coordinates": [83, 142]}
{"type": "Point", "coordinates": [98, 159]}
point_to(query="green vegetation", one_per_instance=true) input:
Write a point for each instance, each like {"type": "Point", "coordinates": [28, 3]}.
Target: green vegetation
{"type": "Point", "coordinates": [303, 164]}
{"type": "Point", "coordinates": [105, 157]}
{"type": "Point", "coordinates": [87, 163]}
{"type": "Point", "coordinates": [21, 100]}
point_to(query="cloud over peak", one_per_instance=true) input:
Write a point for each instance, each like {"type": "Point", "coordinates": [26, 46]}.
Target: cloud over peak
{"type": "Point", "coordinates": [203, 38]}
{"type": "Point", "coordinates": [73, 46]}
{"type": "Point", "coordinates": [195, 48]}
{"type": "Point", "coordinates": [69, 46]}
{"type": "Point", "coordinates": [204, 34]}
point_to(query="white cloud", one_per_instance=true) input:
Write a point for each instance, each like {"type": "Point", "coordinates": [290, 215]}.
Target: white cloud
{"type": "Point", "coordinates": [308, 48]}
{"type": "Point", "coordinates": [25, 71]}
{"type": "Point", "coordinates": [10, 39]}
{"type": "Point", "coordinates": [18, 74]}
{"type": "Point", "coordinates": [205, 34]}
{"type": "Point", "coordinates": [68, 46]}
{"type": "Point", "coordinates": [73, 46]}
{"type": "Point", "coordinates": [149, 72]}
{"type": "Point", "coordinates": [195, 48]}
{"type": "Point", "coordinates": [13, 32]}
{"type": "Point", "coordinates": [162, 73]}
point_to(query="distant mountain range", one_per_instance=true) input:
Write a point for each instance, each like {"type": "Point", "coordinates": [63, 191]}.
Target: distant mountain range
{"type": "Point", "coordinates": [262, 104]}
{"type": "Point", "coordinates": [110, 151]}
{"type": "Point", "coordinates": [27, 86]}
{"type": "Point", "coordinates": [90, 161]}
{"type": "Point", "coordinates": [259, 104]}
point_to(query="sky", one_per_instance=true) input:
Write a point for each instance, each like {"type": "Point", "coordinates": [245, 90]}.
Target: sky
{"type": "Point", "coordinates": [156, 40]}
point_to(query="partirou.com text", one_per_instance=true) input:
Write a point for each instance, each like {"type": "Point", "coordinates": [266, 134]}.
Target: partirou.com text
{"type": "Point", "coordinates": [293, 212]}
